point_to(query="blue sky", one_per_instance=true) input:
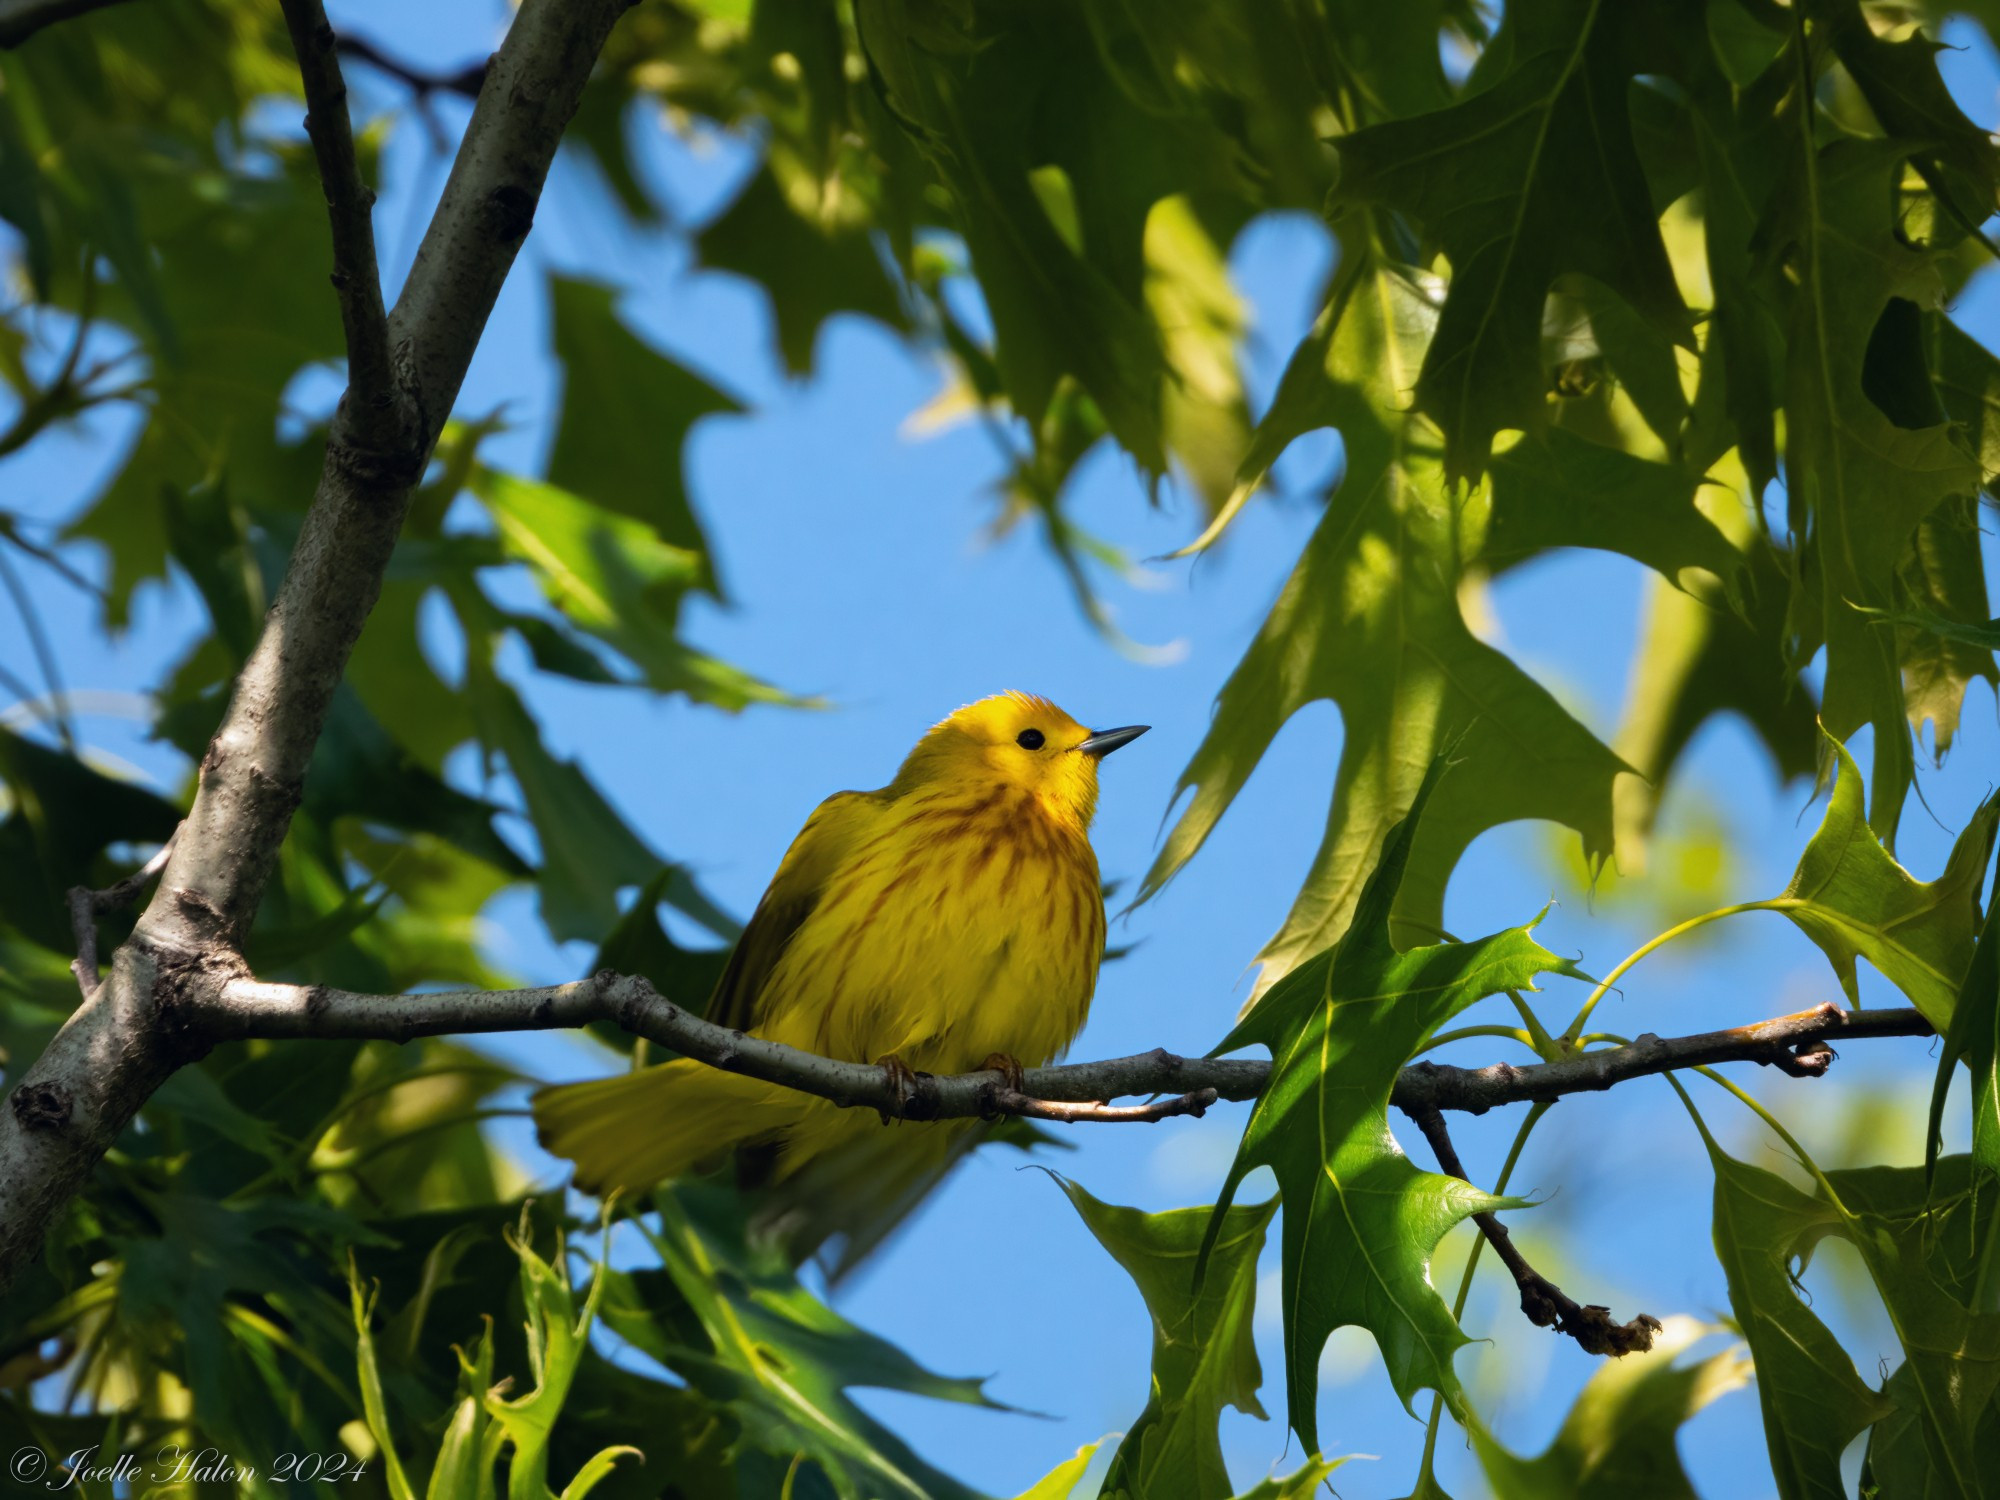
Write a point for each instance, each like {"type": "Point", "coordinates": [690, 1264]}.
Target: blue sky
{"type": "Point", "coordinates": [854, 556]}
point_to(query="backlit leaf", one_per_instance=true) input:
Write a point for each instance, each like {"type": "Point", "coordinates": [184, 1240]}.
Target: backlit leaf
{"type": "Point", "coordinates": [1814, 1402]}
{"type": "Point", "coordinates": [1370, 618]}
{"type": "Point", "coordinates": [1203, 1355]}
{"type": "Point", "coordinates": [1851, 897]}
{"type": "Point", "coordinates": [1360, 1219]}
{"type": "Point", "coordinates": [1530, 177]}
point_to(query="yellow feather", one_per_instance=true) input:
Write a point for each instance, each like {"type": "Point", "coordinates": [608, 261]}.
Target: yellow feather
{"type": "Point", "coordinates": [953, 914]}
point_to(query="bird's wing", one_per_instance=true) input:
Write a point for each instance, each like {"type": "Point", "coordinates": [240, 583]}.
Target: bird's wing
{"type": "Point", "coordinates": [832, 830]}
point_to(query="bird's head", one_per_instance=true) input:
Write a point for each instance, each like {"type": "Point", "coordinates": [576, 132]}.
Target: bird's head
{"type": "Point", "coordinates": [1018, 740]}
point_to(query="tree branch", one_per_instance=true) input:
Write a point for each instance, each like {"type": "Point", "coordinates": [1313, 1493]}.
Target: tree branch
{"type": "Point", "coordinates": [146, 1020]}
{"type": "Point", "coordinates": [1544, 1303]}
{"type": "Point", "coordinates": [371, 384]}
{"type": "Point", "coordinates": [240, 1007]}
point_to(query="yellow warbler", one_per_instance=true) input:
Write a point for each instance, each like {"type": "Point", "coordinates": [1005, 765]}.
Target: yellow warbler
{"type": "Point", "coordinates": [949, 921]}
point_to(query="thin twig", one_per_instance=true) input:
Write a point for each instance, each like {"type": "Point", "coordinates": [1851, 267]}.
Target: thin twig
{"type": "Point", "coordinates": [1010, 1102]}
{"type": "Point", "coordinates": [465, 81]}
{"type": "Point", "coordinates": [85, 905]}
{"type": "Point", "coordinates": [371, 386]}
{"type": "Point", "coordinates": [1542, 1300]}
{"type": "Point", "coordinates": [1795, 1044]}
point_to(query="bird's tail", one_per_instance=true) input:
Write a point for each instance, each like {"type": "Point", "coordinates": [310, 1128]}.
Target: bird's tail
{"type": "Point", "coordinates": [646, 1126]}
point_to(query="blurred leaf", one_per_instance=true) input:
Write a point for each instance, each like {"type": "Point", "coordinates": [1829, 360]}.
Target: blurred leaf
{"type": "Point", "coordinates": [1697, 659]}
{"type": "Point", "coordinates": [1203, 1355]}
{"type": "Point", "coordinates": [1360, 1219]}
{"type": "Point", "coordinates": [214, 240]}
{"type": "Point", "coordinates": [588, 852]}
{"type": "Point", "coordinates": [1968, 383]}
{"type": "Point", "coordinates": [1618, 1441]}
{"type": "Point", "coordinates": [616, 579]}
{"type": "Point", "coordinates": [1851, 897]}
{"type": "Point", "coordinates": [1901, 82]}
{"type": "Point", "coordinates": [810, 250]}
{"type": "Point", "coordinates": [1061, 1481]}
{"type": "Point", "coordinates": [61, 818]}
{"type": "Point", "coordinates": [626, 412]}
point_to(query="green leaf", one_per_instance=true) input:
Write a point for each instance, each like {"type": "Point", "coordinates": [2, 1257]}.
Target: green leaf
{"type": "Point", "coordinates": [809, 248]}
{"type": "Point", "coordinates": [1695, 659]}
{"type": "Point", "coordinates": [1563, 491]}
{"type": "Point", "coordinates": [1942, 577]}
{"type": "Point", "coordinates": [1813, 1401]}
{"type": "Point", "coordinates": [1858, 481]}
{"type": "Point", "coordinates": [614, 578]}
{"type": "Point", "coordinates": [588, 852]}
{"type": "Point", "coordinates": [62, 816]}
{"type": "Point", "coordinates": [1923, 1248]}
{"type": "Point", "coordinates": [1968, 383]}
{"type": "Point", "coordinates": [374, 1403]}
{"type": "Point", "coordinates": [1370, 619]}
{"type": "Point", "coordinates": [1360, 1219]}
{"type": "Point", "coordinates": [1909, 97]}
{"type": "Point", "coordinates": [1204, 1356]}
{"type": "Point", "coordinates": [1302, 1482]}
{"type": "Point", "coordinates": [1061, 1481]}
{"type": "Point", "coordinates": [558, 1334]}
{"type": "Point", "coordinates": [626, 412]}
{"type": "Point", "coordinates": [754, 1341]}
{"type": "Point", "coordinates": [1974, 1039]}
{"type": "Point", "coordinates": [1851, 897]}
{"type": "Point", "coordinates": [212, 241]}
{"type": "Point", "coordinates": [1055, 220]}
{"type": "Point", "coordinates": [1617, 1443]}
{"type": "Point", "coordinates": [1531, 177]}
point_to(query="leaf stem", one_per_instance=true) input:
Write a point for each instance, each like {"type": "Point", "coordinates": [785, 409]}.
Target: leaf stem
{"type": "Point", "coordinates": [1653, 945]}
{"type": "Point", "coordinates": [1465, 1033]}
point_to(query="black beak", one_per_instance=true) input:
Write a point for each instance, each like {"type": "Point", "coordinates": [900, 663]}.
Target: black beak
{"type": "Point", "coordinates": [1104, 741]}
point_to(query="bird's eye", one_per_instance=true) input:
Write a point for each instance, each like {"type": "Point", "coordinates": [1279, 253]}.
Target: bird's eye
{"type": "Point", "coordinates": [1029, 739]}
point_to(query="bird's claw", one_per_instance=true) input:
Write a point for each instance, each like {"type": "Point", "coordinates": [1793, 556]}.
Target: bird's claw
{"type": "Point", "coordinates": [1008, 1067]}
{"type": "Point", "coordinates": [902, 1082]}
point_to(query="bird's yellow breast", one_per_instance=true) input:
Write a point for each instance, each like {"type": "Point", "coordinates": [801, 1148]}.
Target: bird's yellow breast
{"type": "Point", "coordinates": [960, 922]}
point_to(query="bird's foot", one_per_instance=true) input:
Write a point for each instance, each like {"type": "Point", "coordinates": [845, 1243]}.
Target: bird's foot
{"type": "Point", "coordinates": [1008, 1067]}
{"type": "Point", "coordinates": [902, 1083]}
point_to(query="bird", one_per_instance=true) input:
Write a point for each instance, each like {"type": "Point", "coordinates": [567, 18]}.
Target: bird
{"type": "Point", "coordinates": [948, 921]}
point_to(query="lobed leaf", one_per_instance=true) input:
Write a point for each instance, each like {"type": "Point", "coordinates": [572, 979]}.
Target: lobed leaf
{"type": "Point", "coordinates": [1204, 1356]}
{"type": "Point", "coordinates": [1851, 898]}
{"type": "Point", "coordinates": [1360, 1220]}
